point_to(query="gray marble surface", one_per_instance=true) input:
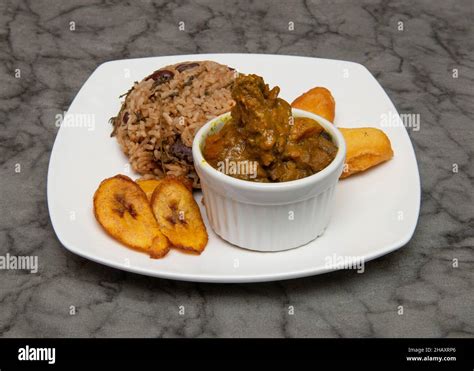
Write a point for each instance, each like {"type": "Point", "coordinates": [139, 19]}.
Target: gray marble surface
{"type": "Point", "coordinates": [415, 66]}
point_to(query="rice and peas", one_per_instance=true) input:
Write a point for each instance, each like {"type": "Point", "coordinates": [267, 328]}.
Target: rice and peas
{"type": "Point", "coordinates": [161, 114]}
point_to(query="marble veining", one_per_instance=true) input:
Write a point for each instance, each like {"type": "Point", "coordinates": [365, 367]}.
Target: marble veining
{"type": "Point", "coordinates": [427, 68]}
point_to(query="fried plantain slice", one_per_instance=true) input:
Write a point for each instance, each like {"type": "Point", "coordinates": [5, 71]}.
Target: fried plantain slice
{"type": "Point", "coordinates": [188, 183]}
{"type": "Point", "coordinates": [148, 186]}
{"type": "Point", "coordinates": [366, 147]}
{"type": "Point", "coordinates": [178, 216]}
{"type": "Point", "coordinates": [122, 209]}
{"type": "Point", "coordinates": [319, 101]}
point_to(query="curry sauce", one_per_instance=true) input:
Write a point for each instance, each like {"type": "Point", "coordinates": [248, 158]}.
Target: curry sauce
{"type": "Point", "coordinates": [262, 131]}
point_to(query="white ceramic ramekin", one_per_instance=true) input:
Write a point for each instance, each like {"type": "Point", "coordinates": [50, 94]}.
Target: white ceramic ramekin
{"type": "Point", "coordinates": [268, 216]}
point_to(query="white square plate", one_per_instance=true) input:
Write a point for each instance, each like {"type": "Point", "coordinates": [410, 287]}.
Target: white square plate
{"type": "Point", "coordinates": [376, 212]}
